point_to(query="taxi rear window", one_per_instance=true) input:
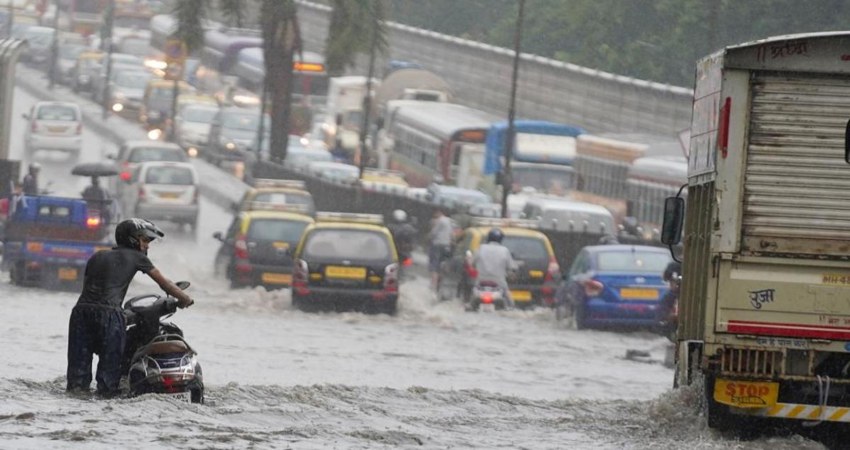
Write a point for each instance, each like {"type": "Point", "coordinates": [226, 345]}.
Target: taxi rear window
{"type": "Point", "coordinates": [526, 248]}
{"type": "Point", "coordinates": [276, 230]}
{"type": "Point", "coordinates": [169, 175]}
{"type": "Point", "coordinates": [359, 245]}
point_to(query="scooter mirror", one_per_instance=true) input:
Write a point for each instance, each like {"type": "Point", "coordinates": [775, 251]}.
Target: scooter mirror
{"type": "Point", "coordinates": [183, 285]}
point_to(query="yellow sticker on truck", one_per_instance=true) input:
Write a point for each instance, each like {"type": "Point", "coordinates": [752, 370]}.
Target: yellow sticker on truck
{"type": "Point", "coordinates": [746, 394]}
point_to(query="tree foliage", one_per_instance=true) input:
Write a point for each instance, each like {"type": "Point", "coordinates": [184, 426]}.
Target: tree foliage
{"type": "Point", "coordinates": [657, 40]}
{"type": "Point", "coordinates": [352, 26]}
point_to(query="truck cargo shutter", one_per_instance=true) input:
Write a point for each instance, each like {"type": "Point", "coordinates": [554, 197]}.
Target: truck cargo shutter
{"type": "Point", "coordinates": [797, 184]}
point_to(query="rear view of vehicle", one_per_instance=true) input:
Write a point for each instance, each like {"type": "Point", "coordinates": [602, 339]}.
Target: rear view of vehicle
{"type": "Point", "coordinates": [54, 126]}
{"type": "Point", "coordinates": [164, 191]}
{"type": "Point", "coordinates": [257, 248]}
{"type": "Point", "coordinates": [616, 285]}
{"type": "Point", "coordinates": [346, 261]}
{"type": "Point", "coordinates": [274, 192]}
{"type": "Point", "coordinates": [764, 317]}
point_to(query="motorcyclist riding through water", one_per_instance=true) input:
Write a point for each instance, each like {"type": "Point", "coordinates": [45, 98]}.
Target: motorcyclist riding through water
{"type": "Point", "coordinates": [97, 324]}
{"type": "Point", "coordinates": [404, 235]}
{"type": "Point", "coordinates": [493, 263]}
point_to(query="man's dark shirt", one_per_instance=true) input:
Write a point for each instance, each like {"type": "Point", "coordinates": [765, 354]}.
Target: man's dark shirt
{"type": "Point", "coordinates": [30, 185]}
{"type": "Point", "coordinates": [109, 273]}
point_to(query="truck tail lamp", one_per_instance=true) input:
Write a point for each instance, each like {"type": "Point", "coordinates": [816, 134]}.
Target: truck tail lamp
{"type": "Point", "coordinates": [723, 127]}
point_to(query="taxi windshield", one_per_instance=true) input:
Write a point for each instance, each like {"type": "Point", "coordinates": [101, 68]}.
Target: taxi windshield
{"type": "Point", "coordinates": [340, 244]}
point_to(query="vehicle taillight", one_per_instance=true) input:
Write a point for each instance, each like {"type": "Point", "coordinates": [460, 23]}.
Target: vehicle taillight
{"type": "Point", "coordinates": [125, 175]}
{"type": "Point", "coordinates": [592, 287]}
{"type": "Point", "coordinates": [34, 126]}
{"type": "Point", "coordinates": [92, 222]}
{"type": "Point", "coordinates": [391, 278]}
{"type": "Point", "coordinates": [240, 247]}
{"type": "Point", "coordinates": [553, 271]}
{"type": "Point", "coordinates": [300, 274]}
{"type": "Point", "coordinates": [79, 128]}
{"type": "Point", "coordinates": [487, 298]}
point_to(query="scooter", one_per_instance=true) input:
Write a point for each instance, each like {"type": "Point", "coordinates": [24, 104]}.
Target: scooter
{"type": "Point", "coordinates": [157, 358]}
{"type": "Point", "coordinates": [486, 296]}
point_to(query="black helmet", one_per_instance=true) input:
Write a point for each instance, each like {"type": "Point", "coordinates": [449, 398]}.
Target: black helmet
{"type": "Point", "coordinates": [128, 232]}
{"type": "Point", "coordinates": [495, 235]}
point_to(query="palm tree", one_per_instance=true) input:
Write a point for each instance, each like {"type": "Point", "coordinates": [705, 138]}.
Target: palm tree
{"type": "Point", "coordinates": [351, 31]}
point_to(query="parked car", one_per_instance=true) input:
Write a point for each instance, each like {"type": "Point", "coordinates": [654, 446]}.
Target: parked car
{"type": "Point", "coordinates": [231, 133]}
{"type": "Point", "coordinates": [133, 153]}
{"type": "Point", "coordinates": [54, 126]}
{"type": "Point", "coordinates": [257, 248]}
{"type": "Point", "coordinates": [193, 126]}
{"type": "Point", "coordinates": [163, 191]}
{"type": "Point", "coordinates": [535, 281]}
{"type": "Point", "coordinates": [346, 260]}
{"type": "Point", "coordinates": [614, 285]}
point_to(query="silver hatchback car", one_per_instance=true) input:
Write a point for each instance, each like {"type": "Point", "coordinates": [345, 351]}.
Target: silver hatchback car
{"type": "Point", "coordinates": [163, 191]}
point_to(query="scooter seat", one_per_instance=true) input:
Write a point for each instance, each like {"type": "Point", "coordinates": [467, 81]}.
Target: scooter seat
{"type": "Point", "coordinates": [162, 347]}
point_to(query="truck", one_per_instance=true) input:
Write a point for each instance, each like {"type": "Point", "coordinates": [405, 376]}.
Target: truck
{"type": "Point", "coordinates": [48, 240]}
{"type": "Point", "coordinates": [764, 308]}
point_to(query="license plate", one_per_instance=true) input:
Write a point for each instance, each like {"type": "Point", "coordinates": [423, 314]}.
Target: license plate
{"type": "Point", "coordinates": [169, 195]}
{"type": "Point", "coordinates": [181, 396]}
{"type": "Point", "coordinates": [521, 296]}
{"type": "Point", "coordinates": [276, 278]}
{"type": "Point", "coordinates": [746, 394]}
{"type": "Point", "coordinates": [57, 129]}
{"type": "Point", "coordinates": [348, 273]}
{"type": "Point", "coordinates": [639, 294]}
{"type": "Point", "coordinates": [535, 273]}
{"type": "Point", "coordinates": [67, 273]}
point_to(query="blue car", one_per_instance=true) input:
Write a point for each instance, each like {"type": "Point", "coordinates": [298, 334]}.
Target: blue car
{"type": "Point", "coordinates": [614, 285]}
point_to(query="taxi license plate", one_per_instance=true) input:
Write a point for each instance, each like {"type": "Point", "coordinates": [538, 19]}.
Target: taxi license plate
{"type": "Point", "coordinates": [639, 294]}
{"type": "Point", "coordinates": [521, 296]}
{"type": "Point", "coordinates": [348, 273]}
{"type": "Point", "coordinates": [169, 194]}
{"type": "Point", "coordinates": [67, 273]}
{"type": "Point", "coordinates": [746, 394]}
{"type": "Point", "coordinates": [57, 129]}
{"type": "Point", "coordinates": [276, 278]}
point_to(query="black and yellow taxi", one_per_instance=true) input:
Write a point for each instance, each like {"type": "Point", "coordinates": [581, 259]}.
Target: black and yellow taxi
{"type": "Point", "coordinates": [256, 249]}
{"type": "Point", "coordinates": [346, 261]}
{"type": "Point", "coordinates": [535, 281]}
{"type": "Point", "coordinates": [276, 192]}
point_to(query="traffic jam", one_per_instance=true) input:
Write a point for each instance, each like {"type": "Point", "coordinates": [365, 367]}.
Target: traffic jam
{"type": "Point", "coordinates": [385, 286]}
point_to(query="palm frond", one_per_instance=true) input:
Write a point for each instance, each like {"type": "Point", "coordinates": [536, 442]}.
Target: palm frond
{"type": "Point", "coordinates": [190, 14]}
{"type": "Point", "coordinates": [353, 25]}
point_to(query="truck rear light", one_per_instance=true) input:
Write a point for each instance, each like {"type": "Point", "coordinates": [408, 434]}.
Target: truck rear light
{"type": "Point", "coordinates": [592, 288]}
{"type": "Point", "coordinates": [723, 127]}
{"type": "Point", "coordinates": [240, 247]}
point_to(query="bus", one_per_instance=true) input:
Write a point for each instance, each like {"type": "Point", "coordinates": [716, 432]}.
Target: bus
{"type": "Point", "coordinates": [650, 181]}
{"type": "Point", "coordinates": [435, 142]}
{"type": "Point", "coordinates": [543, 155]}
{"type": "Point", "coordinates": [219, 55]}
{"type": "Point", "coordinates": [310, 79]}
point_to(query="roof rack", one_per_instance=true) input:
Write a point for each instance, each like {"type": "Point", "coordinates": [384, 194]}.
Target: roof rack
{"type": "Point", "coordinates": [281, 207]}
{"type": "Point", "coordinates": [270, 182]}
{"type": "Point", "coordinates": [324, 216]}
{"type": "Point", "coordinates": [499, 222]}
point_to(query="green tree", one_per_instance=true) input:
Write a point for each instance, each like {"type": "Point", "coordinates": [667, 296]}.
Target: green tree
{"type": "Point", "coordinates": [281, 41]}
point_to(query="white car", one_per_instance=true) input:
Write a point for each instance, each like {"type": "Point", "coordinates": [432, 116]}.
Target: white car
{"type": "Point", "coordinates": [163, 191]}
{"type": "Point", "coordinates": [54, 126]}
{"type": "Point", "coordinates": [334, 171]}
{"type": "Point", "coordinates": [193, 126]}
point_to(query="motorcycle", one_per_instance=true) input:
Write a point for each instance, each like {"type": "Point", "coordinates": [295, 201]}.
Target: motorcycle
{"type": "Point", "coordinates": [486, 296]}
{"type": "Point", "coordinates": [157, 359]}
